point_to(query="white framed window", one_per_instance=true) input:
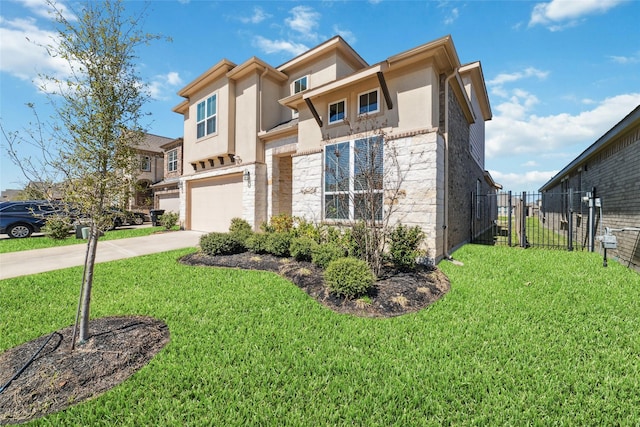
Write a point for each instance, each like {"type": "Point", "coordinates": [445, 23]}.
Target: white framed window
{"type": "Point", "coordinates": [172, 160]}
{"type": "Point", "coordinates": [207, 115]}
{"type": "Point", "coordinates": [369, 102]}
{"type": "Point", "coordinates": [353, 172]}
{"type": "Point", "coordinates": [300, 85]}
{"type": "Point", "coordinates": [294, 114]}
{"type": "Point", "coordinates": [145, 163]}
{"type": "Point", "coordinates": [338, 111]}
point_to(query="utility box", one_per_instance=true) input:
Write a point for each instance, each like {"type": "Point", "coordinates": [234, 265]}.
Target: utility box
{"type": "Point", "coordinates": [609, 241]}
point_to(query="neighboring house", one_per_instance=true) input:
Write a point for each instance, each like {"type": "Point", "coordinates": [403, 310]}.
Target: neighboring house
{"type": "Point", "coordinates": [611, 167]}
{"type": "Point", "coordinates": [151, 157]}
{"type": "Point", "coordinates": [166, 193]}
{"type": "Point", "coordinates": [261, 140]}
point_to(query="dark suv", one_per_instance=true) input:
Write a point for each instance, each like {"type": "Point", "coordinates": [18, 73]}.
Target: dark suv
{"type": "Point", "coordinates": [21, 219]}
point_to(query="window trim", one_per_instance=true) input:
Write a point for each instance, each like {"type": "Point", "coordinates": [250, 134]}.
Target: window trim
{"type": "Point", "coordinates": [306, 84]}
{"type": "Point", "coordinates": [351, 192]}
{"type": "Point", "coordinates": [377, 110]}
{"type": "Point", "coordinates": [344, 113]}
{"type": "Point", "coordinates": [170, 162]}
{"type": "Point", "coordinates": [148, 163]}
{"type": "Point", "coordinates": [206, 117]}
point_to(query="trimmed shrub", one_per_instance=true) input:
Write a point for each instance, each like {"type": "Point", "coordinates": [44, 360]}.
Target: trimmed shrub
{"type": "Point", "coordinates": [322, 255]}
{"type": "Point", "coordinates": [278, 243]}
{"type": "Point", "coordinates": [257, 243]}
{"type": "Point", "coordinates": [349, 277]}
{"type": "Point", "coordinates": [282, 223]}
{"type": "Point", "coordinates": [302, 247]}
{"type": "Point", "coordinates": [57, 227]}
{"type": "Point", "coordinates": [241, 229]}
{"type": "Point", "coordinates": [304, 228]}
{"type": "Point", "coordinates": [221, 244]}
{"type": "Point", "coordinates": [168, 220]}
{"type": "Point", "coordinates": [403, 246]}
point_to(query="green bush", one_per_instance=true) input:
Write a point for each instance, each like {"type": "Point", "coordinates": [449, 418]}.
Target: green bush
{"type": "Point", "coordinates": [350, 277]}
{"type": "Point", "coordinates": [301, 248]}
{"type": "Point", "coordinates": [241, 229]}
{"type": "Point", "coordinates": [57, 227]}
{"type": "Point", "coordinates": [322, 255]}
{"type": "Point", "coordinates": [278, 243]}
{"type": "Point", "coordinates": [304, 228]}
{"type": "Point", "coordinates": [168, 220]}
{"type": "Point", "coordinates": [257, 243]}
{"type": "Point", "coordinates": [221, 244]}
{"type": "Point", "coordinates": [403, 246]}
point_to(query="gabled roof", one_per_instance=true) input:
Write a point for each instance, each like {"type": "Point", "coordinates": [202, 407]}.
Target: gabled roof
{"type": "Point", "coordinates": [336, 43]}
{"type": "Point", "coordinates": [213, 73]}
{"type": "Point", "coordinates": [632, 119]}
{"type": "Point", "coordinates": [154, 143]}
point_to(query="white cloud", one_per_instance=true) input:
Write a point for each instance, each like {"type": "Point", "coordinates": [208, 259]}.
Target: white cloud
{"type": "Point", "coordinates": [162, 87]}
{"type": "Point", "coordinates": [503, 78]}
{"type": "Point", "coordinates": [453, 15]}
{"type": "Point", "coordinates": [559, 14]}
{"type": "Point", "coordinates": [632, 59]}
{"type": "Point", "coordinates": [530, 164]}
{"type": "Point", "coordinates": [22, 51]}
{"type": "Point", "coordinates": [510, 134]}
{"type": "Point", "coordinates": [345, 34]}
{"type": "Point", "coordinates": [304, 21]}
{"type": "Point", "coordinates": [277, 46]}
{"type": "Point", "coordinates": [258, 16]}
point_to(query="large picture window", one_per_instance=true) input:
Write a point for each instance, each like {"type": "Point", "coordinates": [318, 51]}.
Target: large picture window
{"type": "Point", "coordinates": [353, 172]}
{"type": "Point", "coordinates": [207, 116]}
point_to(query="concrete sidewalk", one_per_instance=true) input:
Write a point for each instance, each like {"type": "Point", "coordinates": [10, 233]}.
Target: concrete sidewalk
{"type": "Point", "coordinates": [23, 263]}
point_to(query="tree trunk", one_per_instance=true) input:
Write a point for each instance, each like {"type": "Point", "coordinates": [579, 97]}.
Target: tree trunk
{"type": "Point", "coordinates": [87, 282]}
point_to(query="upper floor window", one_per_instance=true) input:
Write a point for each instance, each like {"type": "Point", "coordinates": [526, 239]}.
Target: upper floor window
{"type": "Point", "coordinates": [300, 85]}
{"type": "Point", "coordinates": [368, 102]}
{"type": "Point", "coordinates": [145, 164]}
{"type": "Point", "coordinates": [353, 174]}
{"type": "Point", "coordinates": [337, 111]}
{"type": "Point", "coordinates": [172, 160]}
{"type": "Point", "coordinates": [207, 116]}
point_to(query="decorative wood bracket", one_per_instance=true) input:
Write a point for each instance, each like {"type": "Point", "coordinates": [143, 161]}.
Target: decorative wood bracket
{"type": "Point", "coordinates": [313, 111]}
{"type": "Point", "coordinates": [385, 90]}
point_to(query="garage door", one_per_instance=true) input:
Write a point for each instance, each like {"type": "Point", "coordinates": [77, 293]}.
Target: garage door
{"type": "Point", "coordinates": [169, 202]}
{"type": "Point", "coordinates": [214, 202]}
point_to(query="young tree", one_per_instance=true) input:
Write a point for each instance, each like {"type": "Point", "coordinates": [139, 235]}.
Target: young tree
{"type": "Point", "coordinates": [90, 147]}
{"type": "Point", "coordinates": [365, 191]}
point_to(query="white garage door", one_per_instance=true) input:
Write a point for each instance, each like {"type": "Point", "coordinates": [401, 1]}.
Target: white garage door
{"type": "Point", "coordinates": [214, 202]}
{"type": "Point", "coordinates": [169, 202]}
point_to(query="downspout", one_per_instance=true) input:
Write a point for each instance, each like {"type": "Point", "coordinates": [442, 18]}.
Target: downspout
{"type": "Point", "coordinates": [445, 135]}
{"type": "Point", "coordinates": [260, 118]}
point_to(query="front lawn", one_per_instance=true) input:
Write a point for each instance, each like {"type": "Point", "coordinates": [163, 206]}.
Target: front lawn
{"type": "Point", "coordinates": [523, 337]}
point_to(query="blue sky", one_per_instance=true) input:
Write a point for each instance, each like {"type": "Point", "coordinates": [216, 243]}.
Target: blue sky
{"type": "Point", "coordinates": [559, 73]}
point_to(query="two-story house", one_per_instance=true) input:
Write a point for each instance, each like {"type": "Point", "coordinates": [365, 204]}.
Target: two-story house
{"type": "Point", "coordinates": [151, 160]}
{"type": "Point", "coordinates": [262, 140]}
{"type": "Point", "coordinates": [166, 192]}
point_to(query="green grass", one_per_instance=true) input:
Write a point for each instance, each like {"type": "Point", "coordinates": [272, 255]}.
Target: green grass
{"type": "Point", "coordinates": [524, 337]}
{"type": "Point", "coordinates": [40, 242]}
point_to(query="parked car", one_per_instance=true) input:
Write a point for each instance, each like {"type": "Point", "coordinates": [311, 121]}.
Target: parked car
{"type": "Point", "coordinates": [20, 219]}
{"type": "Point", "coordinates": [122, 217]}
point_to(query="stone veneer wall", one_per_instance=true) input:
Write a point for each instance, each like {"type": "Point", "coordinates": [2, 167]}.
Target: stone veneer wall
{"type": "Point", "coordinates": [273, 157]}
{"type": "Point", "coordinates": [307, 186]}
{"type": "Point", "coordinates": [254, 195]}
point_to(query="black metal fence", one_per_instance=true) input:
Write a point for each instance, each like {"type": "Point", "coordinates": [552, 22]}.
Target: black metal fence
{"type": "Point", "coordinates": [566, 220]}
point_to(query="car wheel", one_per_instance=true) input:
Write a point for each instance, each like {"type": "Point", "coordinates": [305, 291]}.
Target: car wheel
{"type": "Point", "coordinates": [19, 231]}
{"type": "Point", "coordinates": [138, 220]}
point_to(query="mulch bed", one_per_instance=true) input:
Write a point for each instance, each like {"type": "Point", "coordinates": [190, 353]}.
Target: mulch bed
{"type": "Point", "coordinates": [58, 378]}
{"type": "Point", "coordinates": [119, 346]}
{"type": "Point", "coordinates": [394, 294]}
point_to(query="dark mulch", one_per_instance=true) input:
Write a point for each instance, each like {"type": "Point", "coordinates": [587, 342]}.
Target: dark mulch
{"type": "Point", "coordinates": [119, 346]}
{"type": "Point", "coordinates": [394, 294]}
{"type": "Point", "coordinates": [58, 378]}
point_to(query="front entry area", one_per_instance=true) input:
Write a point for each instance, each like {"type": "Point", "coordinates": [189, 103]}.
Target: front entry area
{"type": "Point", "coordinates": [213, 202]}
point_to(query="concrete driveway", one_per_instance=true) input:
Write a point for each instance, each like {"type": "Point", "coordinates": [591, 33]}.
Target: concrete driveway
{"type": "Point", "coordinates": [23, 263]}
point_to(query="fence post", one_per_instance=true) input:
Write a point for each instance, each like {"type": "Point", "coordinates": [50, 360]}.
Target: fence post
{"type": "Point", "coordinates": [510, 218]}
{"type": "Point", "coordinates": [523, 220]}
{"type": "Point", "coordinates": [570, 222]}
